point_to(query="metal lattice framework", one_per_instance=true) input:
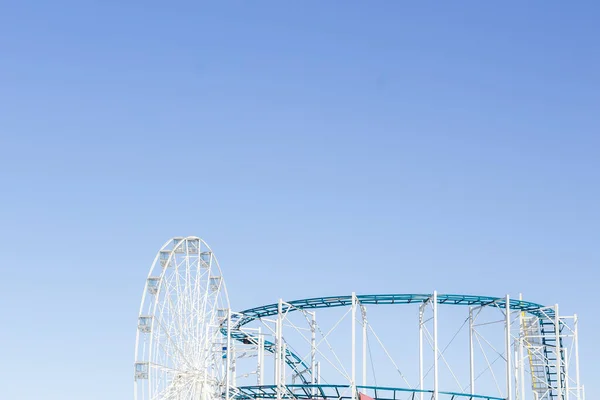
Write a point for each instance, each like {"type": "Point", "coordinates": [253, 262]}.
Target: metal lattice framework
{"type": "Point", "coordinates": [191, 345]}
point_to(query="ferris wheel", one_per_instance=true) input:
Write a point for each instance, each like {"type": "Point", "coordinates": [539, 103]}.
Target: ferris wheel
{"type": "Point", "coordinates": [179, 347]}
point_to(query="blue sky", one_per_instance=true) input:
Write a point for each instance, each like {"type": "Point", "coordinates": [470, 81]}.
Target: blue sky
{"type": "Point", "coordinates": [319, 147]}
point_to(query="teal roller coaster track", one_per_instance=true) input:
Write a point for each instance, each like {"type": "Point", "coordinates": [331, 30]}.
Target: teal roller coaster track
{"type": "Point", "coordinates": [307, 390]}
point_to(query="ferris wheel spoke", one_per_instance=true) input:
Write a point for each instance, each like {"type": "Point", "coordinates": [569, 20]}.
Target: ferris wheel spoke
{"type": "Point", "coordinates": [178, 305]}
{"type": "Point", "coordinates": [180, 315]}
{"type": "Point", "coordinates": [163, 368]}
{"type": "Point", "coordinates": [171, 341]}
{"type": "Point", "coordinates": [177, 351]}
{"type": "Point", "coordinates": [168, 393]}
{"type": "Point", "coordinates": [169, 307]}
{"type": "Point", "coordinates": [180, 390]}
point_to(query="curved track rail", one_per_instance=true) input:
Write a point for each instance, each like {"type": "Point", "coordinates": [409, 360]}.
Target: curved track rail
{"type": "Point", "coordinates": [331, 392]}
{"type": "Point", "coordinates": [344, 301]}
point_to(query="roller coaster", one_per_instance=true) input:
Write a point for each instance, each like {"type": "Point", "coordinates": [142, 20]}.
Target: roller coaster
{"type": "Point", "coordinates": [190, 344]}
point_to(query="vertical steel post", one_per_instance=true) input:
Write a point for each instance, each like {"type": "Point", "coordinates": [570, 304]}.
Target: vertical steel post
{"type": "Point", "coordinates": [318, 372]}
{"type": "Point", "coordinates": [283, 353]}
{"type": "Point", "coordinates": [471, 352]}
{"type": "Point", "coordinates": [508, 352]}
{"type": "Point", "coordinates": [516, 370]}
{"type": "Point", "coordinates": [313, 351]}
{"type": "Point", "coordinates": [278, 348]}
{"type": "Point", "coordinates": [261, 357]}
{"type": "Point", "coordinates": [435, 347]}
{"type": "Point", "coordinates": [559, 395]}
{"type": "Point", "coordinates": [276, 355]}
{"type": "Point", "coordinates": [421, 318]}
{"type": "Point", "coordinates": [233, 367]}
{"type": "Point", "coordinates": [364, 345]}
{"type": "Point", "coordinates": [522, 349]}
{"type": "Point", "coordinates": [567, 388]}
{"type": "Point", "coordinates": [576, 337]}
{"type": "Point", "coordinates": [353, 382]}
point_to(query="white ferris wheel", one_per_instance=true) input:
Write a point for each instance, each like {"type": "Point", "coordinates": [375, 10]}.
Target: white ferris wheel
{"type": "Point", "coordinates": [179, 347]}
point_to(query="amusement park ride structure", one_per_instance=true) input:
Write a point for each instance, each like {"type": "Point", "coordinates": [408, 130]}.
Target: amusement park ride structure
{"type": "Point", "coordinates": [190, 344]}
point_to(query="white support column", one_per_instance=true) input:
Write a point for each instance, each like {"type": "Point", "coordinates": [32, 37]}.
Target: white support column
{"type": "Point", "coordinates": [353, 383]}
{"type": "Point", "coordinates": [435, 347]}
{"type": "Point", "coordinates": [421, 318]}
{"type": "Point", "coordinates": [318, 372]}
{"type": "Point", "coordinates": [559, 395]}
{"type": "Point", "coordinates": [471, 352]}
{"type": "Point", "coordinates": [364, 345]}
{"type": "Point", "coordinates": [278, 348]}
{"type": "Point", "coordinates": [516, 370]}
{"type": "Point", "coordinates": [276, 355]}
{"type": "Point", "coordinates": [522, 369]}
{"type": "Point", "coordinates": [261, 358]}
{"type": "Point", "coordinates": [283, 353]}
{"type": "Point", "coordinates": [522, 350]}
{"type": "Point", "coordinates": [576, 338]}
{"type": "Point", "coordinates": [313, 351]}
{"type": "Point", "coordinates": [567, 388]}
{"type": "Point", "coordinates": [508, 352]}
{"type": "Point", "coordinates": [233, 367]}
{"type": "Point", "coordinates": [228, 356]}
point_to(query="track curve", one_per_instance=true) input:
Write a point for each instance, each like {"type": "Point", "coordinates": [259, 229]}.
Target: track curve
{"type": "Point", "coordinates": [302, 370]}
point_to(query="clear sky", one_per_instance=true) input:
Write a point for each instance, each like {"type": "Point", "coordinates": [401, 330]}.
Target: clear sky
{"type": "Point", "coordinates": [320, 148]}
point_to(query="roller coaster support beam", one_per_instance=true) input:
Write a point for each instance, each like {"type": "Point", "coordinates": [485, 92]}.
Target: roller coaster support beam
{"type": "Point", "coordinates": [313, 351]}
{"type": "Point", "coordinates": [576, 334]}
{"type": "Point", "coordinates": [471, 353]}
{"type": "Point", "coordinates": [559, 395]}
{"type": "Point", "coordinates": [521, 353]}
{"type": "Point", "coordinates": [508, 352]}
{"type": "Point", "coordinates": [353, 378]}
{"type": "Point", "coordinates": [567, 389]}
{"type": "Point", "coordinates": [318, 372]}
{"type": "Point", "coordinates": [363, 311]}
{"type": "Point", "coordinates": [278, 349]}
{"type": "Point", "coordinates": [421, 322]}
{"type": "Point", "coordinates": [261, 358]}
{"type": "Point", "coordinates": [435, 347]}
